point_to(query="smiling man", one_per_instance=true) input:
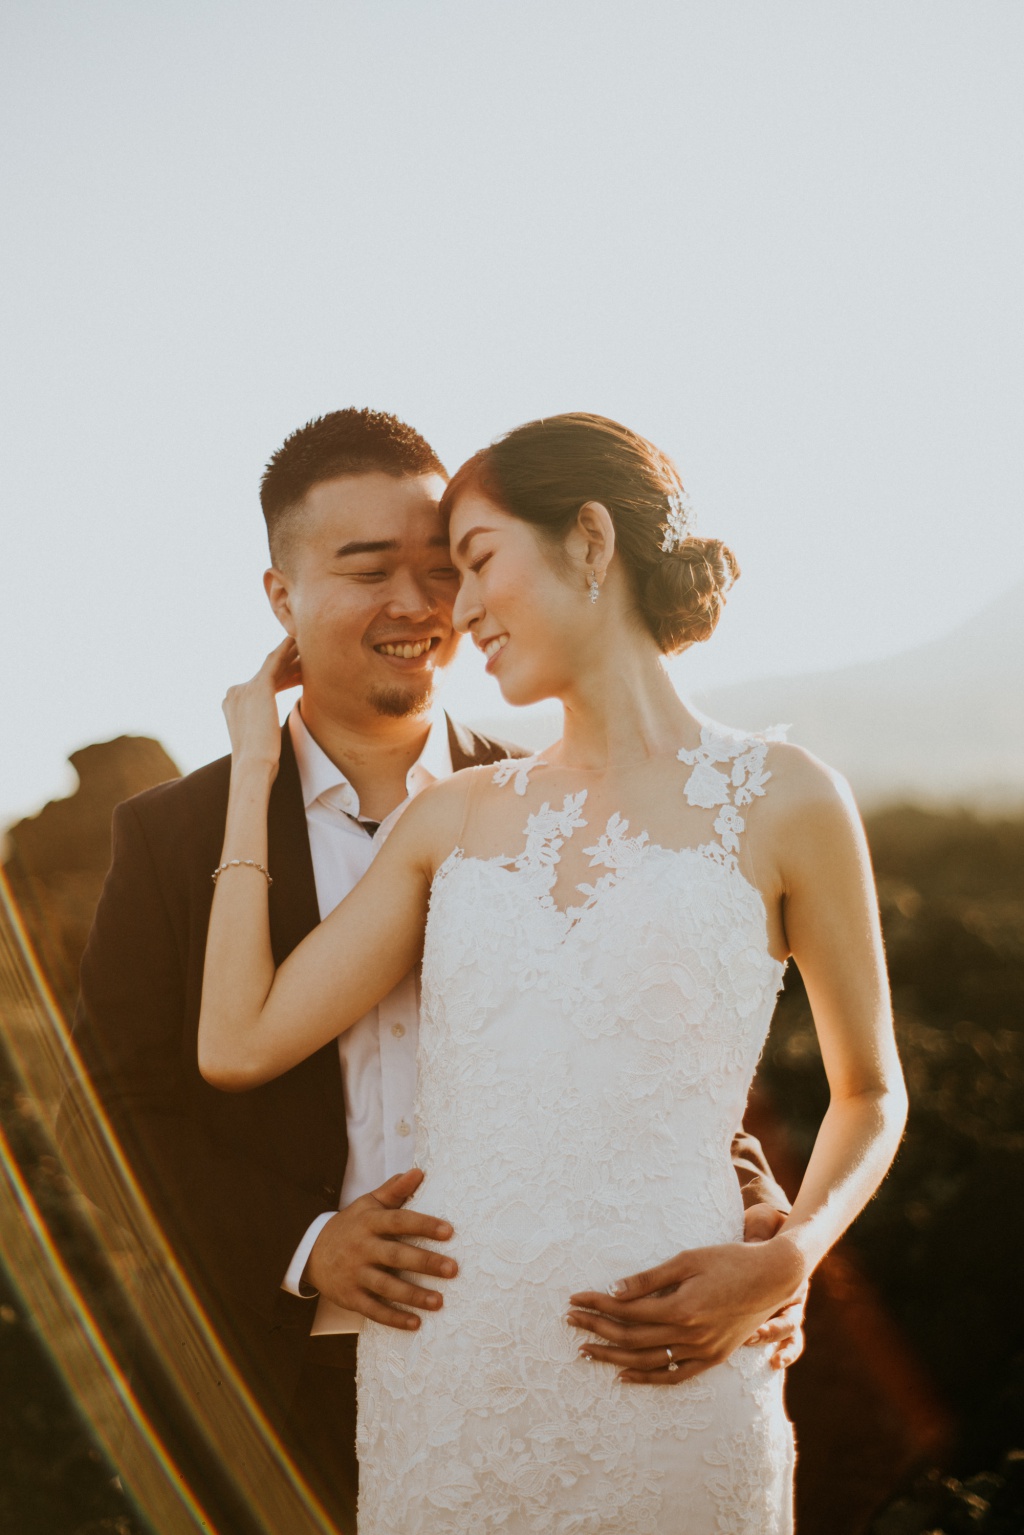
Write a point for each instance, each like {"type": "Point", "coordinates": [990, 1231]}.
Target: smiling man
{"type": "Point", "coordinates": [285, 1202]}
{"type": "Point", "coordinates": [363, 580]}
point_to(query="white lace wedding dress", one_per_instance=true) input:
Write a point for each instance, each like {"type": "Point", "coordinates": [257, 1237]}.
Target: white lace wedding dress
{"type": "Point", "coordinates": [581, 1074]}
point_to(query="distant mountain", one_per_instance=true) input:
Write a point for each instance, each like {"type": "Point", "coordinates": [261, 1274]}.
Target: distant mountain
{"type": "Point", "coordinates": [942, 722]}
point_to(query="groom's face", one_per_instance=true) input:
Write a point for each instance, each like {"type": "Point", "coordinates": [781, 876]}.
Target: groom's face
{"type": "Point", "coordinates": [365, 584]}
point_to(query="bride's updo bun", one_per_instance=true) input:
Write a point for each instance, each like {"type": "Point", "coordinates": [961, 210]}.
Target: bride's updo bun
{"type": "Point", "coordinates": [684, 592]}
{"type": "Point", "coordinates": [544, 472]}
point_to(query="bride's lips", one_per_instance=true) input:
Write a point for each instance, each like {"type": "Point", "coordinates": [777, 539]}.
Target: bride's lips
{"type": "Point", "coordinates": [492, 649]}
{"type": "Point", "coordinates": [408, 653]}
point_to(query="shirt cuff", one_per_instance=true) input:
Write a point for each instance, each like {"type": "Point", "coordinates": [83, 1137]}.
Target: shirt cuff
{"type": "Point", "coordinates": [293, 1281]}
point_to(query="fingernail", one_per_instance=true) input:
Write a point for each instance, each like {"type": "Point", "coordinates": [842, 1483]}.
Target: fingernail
{"type": "Point", "coordinates": [444, 1231]}
{"type": "Point", "coordinates": [617, 1287]}
{"type": "Point", "coordinates": [585, 1354]}
{"type": "Point", "coordinates": [435, 1301]}
{"type": "Point", "coordinates": [572, 1320]}
{"type": "Point", "coordinates": [413, 1321]}
{"type": "Point", "coordinates": [448, 1269]}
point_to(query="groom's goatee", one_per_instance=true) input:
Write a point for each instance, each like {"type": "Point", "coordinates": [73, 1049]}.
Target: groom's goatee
{"type": "Point", "coordinates": [398, 704]}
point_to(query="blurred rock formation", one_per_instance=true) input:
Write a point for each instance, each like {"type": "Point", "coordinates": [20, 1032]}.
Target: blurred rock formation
{"type": "Point", "coordinates": [56, 861]}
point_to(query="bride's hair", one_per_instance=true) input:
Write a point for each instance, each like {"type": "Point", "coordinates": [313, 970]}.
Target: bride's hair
{"type": "Point", "coordinates": [544, 472]}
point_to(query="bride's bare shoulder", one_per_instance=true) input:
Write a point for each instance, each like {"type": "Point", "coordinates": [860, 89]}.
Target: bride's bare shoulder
{"type": "Point", "coordinates": [433, 820]}
{"type": "Point", "coordinates": [800, 779]}
{"type": "Point", "coordinates": [808, 804]}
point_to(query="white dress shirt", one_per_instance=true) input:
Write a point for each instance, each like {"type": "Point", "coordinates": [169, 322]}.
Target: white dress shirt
{"type": "Point", "coordinates": [378, 1054]}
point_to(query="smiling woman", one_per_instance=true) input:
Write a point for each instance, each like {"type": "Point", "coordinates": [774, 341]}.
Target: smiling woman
{"type": "Point", "coordinates": [558, 485]}
{"type": "Point", "coordinates": [542, 473]}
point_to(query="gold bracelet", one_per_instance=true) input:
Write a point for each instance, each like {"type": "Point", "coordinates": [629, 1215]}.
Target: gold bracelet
{"type": "Point", "coordinates": [238, 863]}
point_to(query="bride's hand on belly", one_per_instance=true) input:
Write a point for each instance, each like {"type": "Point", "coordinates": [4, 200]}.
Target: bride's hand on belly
{"type": "Point", "coordinates": [672, 1322]}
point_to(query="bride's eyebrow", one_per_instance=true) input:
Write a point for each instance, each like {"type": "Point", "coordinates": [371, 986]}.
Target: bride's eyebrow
{"type": "Point", "coordinates": [463, 542]}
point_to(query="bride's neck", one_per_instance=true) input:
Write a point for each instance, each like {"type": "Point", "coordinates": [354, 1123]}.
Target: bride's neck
{"type": "Point", "coordinates": [623, 710]}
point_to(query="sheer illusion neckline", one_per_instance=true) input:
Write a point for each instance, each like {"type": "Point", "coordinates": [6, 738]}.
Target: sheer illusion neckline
{"type": "Point", "coordinates": [571, 916]}
{"type": "Point", "coordinates": [727, 773]}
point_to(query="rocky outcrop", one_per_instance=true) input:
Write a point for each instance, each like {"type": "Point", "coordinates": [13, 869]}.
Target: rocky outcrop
{"type": "Point", "coordinates": [56, 861]}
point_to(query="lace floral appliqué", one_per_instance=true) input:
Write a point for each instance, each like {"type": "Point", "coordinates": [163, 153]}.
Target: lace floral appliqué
{"type": "Point", "coordinates": [708, 786]}
{"type": "Point", "coordinates": [518, 770]}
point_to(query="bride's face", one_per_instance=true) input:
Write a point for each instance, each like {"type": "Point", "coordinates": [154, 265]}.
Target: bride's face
{"type": "Point", "coordinates": [525, 607]}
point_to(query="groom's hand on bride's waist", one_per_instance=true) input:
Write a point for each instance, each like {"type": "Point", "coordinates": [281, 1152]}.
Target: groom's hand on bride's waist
{"type": "Point", "coordinates": [356, 1259]}
{"type": "Point", "coordinates": [695, 1310]}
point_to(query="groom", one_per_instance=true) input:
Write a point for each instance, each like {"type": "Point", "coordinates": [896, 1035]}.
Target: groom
{"type": "Point", "coordinates": [284, 1202]}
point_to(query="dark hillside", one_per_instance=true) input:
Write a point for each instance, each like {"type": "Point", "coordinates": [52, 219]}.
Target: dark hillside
{"type": "Point", "coordinates": [943, 1240]}
{"type": "Point", "coordinates": [941, 1246]}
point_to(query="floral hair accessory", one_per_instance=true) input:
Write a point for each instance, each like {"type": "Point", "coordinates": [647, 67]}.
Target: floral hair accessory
{"type": "Point", "coordinates": [680, 524]}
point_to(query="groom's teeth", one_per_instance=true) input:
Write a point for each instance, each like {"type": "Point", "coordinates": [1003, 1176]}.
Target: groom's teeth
{"type": "Point", "coordinates": [406, 652]}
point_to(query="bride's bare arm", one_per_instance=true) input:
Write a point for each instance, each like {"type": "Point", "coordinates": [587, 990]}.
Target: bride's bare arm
{"type": "Point", "coordinates": [257, 1021]}
{"type": "Point", "coordinates": [832, 926]}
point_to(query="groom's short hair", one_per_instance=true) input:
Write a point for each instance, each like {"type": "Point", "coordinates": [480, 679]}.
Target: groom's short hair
{"type": "Point", "coordinates": [351, 441]}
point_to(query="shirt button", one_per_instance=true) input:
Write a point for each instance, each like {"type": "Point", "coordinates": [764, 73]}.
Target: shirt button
{"type": "Point", "coordinates": [398, 1029]}
{"type": "Point", "coordinates": [404, 1127]}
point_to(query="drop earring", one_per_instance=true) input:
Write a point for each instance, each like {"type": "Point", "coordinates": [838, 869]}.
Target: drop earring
{"type": "Point", "coordinates": [593, 588]}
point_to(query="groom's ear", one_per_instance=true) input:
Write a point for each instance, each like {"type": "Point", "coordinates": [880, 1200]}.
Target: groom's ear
{"type": "Point", "coordinates": [275, 584]}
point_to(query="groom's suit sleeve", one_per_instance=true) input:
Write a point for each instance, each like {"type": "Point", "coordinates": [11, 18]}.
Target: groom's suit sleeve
{"type": "Point", "coordinates": [235, 1216]}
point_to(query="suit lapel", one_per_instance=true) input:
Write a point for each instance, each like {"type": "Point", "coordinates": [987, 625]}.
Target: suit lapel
{"type": "Point", "coordinates": [469, 749]}
{"type": "Point", "coordinates": [293, 905]}
{"type": "Point", "coordinates": [294, 910]}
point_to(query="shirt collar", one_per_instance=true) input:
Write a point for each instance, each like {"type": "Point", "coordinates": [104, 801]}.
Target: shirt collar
{"type": "Point", "coordinates": [321, 779]}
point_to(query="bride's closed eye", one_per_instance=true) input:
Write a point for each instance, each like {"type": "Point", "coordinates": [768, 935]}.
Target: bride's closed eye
{"type": "Point", "coordinates": [479, 564]}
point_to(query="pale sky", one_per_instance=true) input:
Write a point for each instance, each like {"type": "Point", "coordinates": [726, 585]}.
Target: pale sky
{"type": "Point", "coordinates": [785, 241]}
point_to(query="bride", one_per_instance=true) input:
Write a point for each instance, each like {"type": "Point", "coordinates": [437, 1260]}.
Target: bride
{"type": "Point", "coordinates": [603, 931]}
